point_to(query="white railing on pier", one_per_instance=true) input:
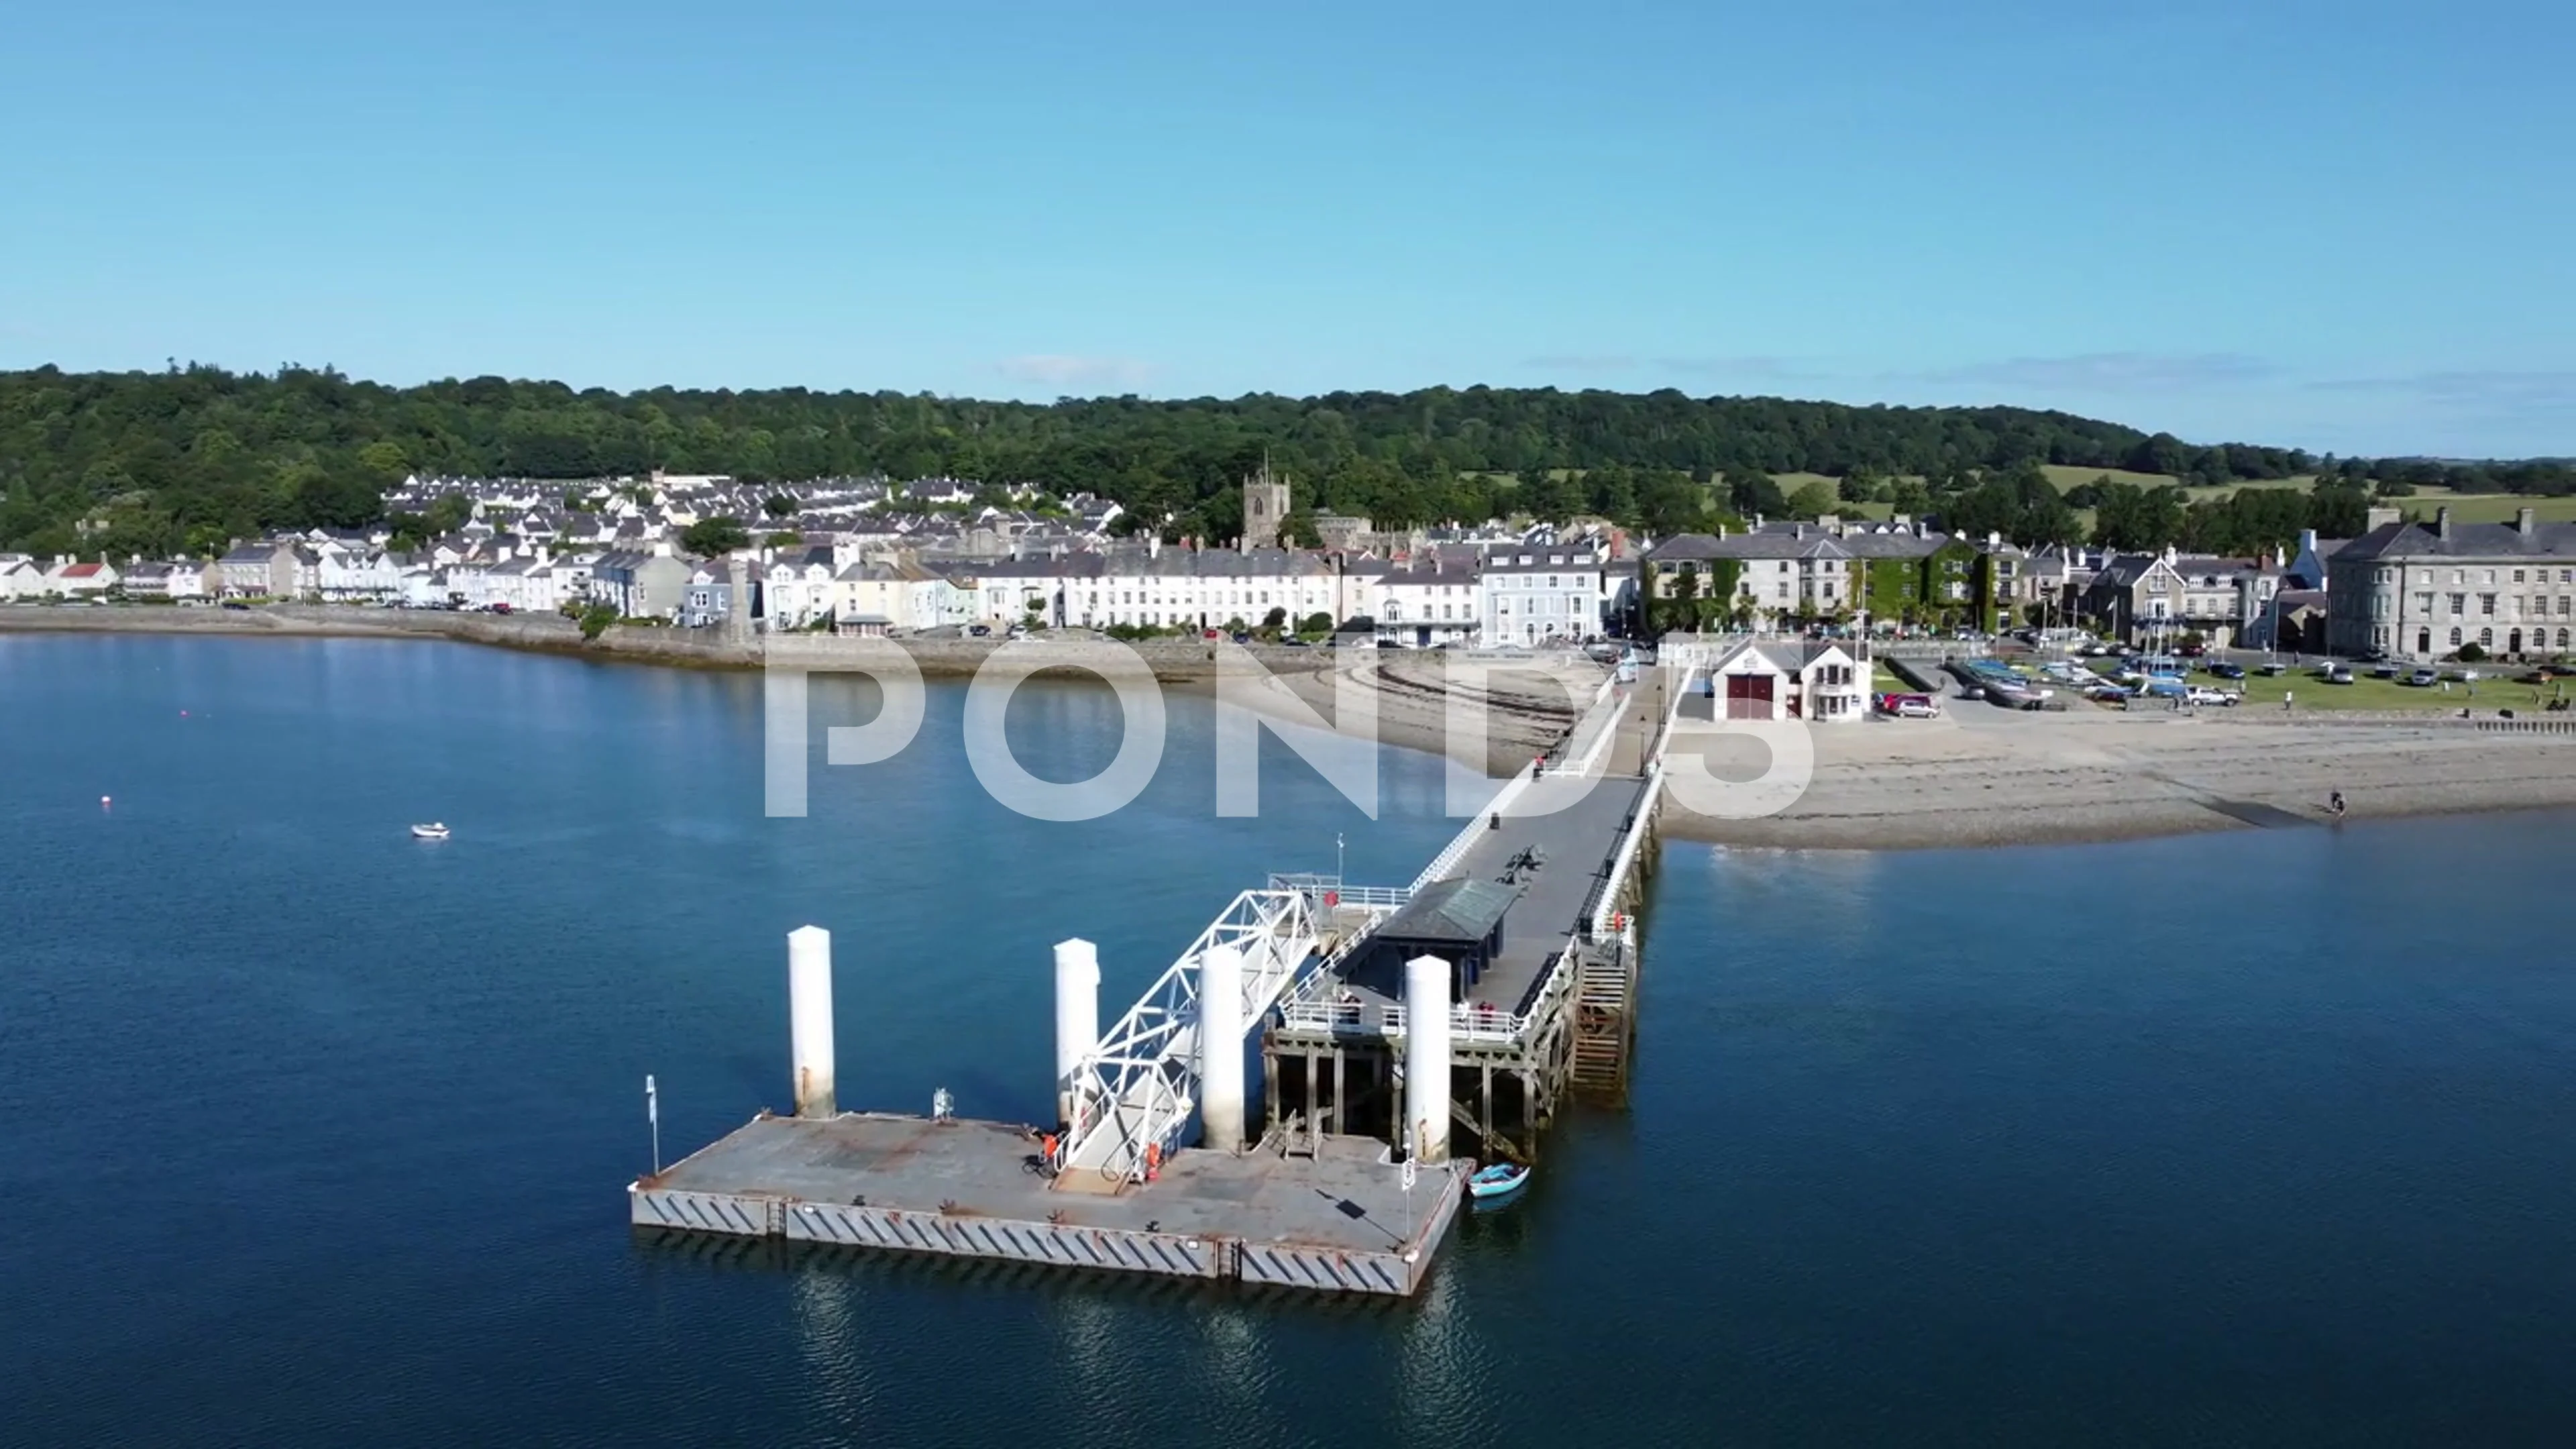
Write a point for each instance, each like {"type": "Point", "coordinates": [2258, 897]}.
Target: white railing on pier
{"type": "Point", "coordinates": [1631, 839]}
{"type": "Point", "coordinates": [1137, 1088]}
{"type": "Point", "coordinates": [1603, 719]}
{"type": "Point", "coordinates": [1626, 860]}
{"type": "Point", "coordinates": [1456, 850]}
{"type": "Point", "coordinates": [1328, 892]}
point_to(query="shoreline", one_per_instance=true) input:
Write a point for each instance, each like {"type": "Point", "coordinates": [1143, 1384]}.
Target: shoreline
{"type": "Point", "coordinates": [1998, 778]}
{"type": "Point", "coordinates": [1972, 778]}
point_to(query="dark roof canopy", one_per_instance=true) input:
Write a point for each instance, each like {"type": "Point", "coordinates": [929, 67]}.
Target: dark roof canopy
{"type": "Point", "coordinates": [1458, 911]}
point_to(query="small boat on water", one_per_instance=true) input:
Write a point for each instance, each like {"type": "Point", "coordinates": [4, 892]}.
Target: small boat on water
{"type": "Point", "coordinates": [432, 831]}
{"type": "Point", "coordinates": [1500, 1180]}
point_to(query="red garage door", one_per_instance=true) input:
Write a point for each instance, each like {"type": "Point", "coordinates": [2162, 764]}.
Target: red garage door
{"type": "Point", "coordinates": [1748, 696]}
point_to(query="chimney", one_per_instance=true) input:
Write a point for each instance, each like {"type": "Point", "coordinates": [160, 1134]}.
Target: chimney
{"type": "Point", "coordinates": [2526, 521]}
{"type": "Point", "coordinates": [2379, 518]}
{"type": "Point", "coordinates": [2442, 523]}
{"type": "Point", "coordinates": [1994, 539]}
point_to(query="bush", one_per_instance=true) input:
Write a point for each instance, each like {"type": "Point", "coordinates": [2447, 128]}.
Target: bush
{"type": "Point", "coordinates": [596, 619]}
{"type": "Point", "coordinates": [2472, 652]}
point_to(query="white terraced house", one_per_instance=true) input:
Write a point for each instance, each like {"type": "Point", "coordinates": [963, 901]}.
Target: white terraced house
{"type": "Point", "coordinates": [1184, 588]}
{"type": "Point", "coordinates": [1533, 593]}
{"type": "Point", "coordinates": [1429, 603]}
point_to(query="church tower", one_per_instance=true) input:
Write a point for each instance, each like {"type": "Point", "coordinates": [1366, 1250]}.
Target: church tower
{"type": "Point", "coordinates": [1265, 507]}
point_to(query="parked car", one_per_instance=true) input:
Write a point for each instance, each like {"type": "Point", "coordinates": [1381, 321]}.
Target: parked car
{"type": "Point", "coordinates": [981, 631]}
{"type": "Point", "coordinates": [2338, 674]}
{"type": "Point", "coordinates": [2272, 669]}
{"type": "Point", "coordinates": [2383, 670]}
{"type": "Point", "coordinates": [2203, 694]}
{"type": "Point", "coordinates": [2107, 694]}
{"type": "Point", "coordinates": [2221, 669]}
{"type": "Point", "coordinates": [1909, 706]}
{"type": "Point", "coordinates": [2423, 679]}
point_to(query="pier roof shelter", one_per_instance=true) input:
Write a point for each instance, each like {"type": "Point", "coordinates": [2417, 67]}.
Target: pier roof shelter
{"type": "Point", "coordinates": [1459, 920]}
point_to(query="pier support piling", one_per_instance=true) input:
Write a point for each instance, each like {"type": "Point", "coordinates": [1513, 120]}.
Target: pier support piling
{"type": "Point", "coordinates": [1221, 1048]}
{"type": "Point", "coordinates": [1426, 1056]}
{"type": "Point", "coordinates": [1077, 1017]}
{"type": "Point", "coordinates": [809, 1012]}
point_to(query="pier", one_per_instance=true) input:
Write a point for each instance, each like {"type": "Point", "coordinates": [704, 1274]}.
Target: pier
{"type": "Point", "coordinates": [1464, 1008]}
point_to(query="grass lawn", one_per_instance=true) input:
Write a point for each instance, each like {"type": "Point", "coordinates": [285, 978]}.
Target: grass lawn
{"type": "Point", "coordinates": [2365, 693]}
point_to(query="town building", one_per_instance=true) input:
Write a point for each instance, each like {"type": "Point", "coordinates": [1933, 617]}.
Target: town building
{"type": "Point", "coordinates": [1533, 593]}
{"type": "Point", "coordinates": [1785, 679]}
{"type": "Point", "coordinates": [2422, 592]}
{"type": "Point", "coordinates": [2143, 597]}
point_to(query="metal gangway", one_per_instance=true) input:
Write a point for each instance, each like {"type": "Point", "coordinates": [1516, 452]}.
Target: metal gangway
{"type": "Point", "coordinates": [1137, 1089]}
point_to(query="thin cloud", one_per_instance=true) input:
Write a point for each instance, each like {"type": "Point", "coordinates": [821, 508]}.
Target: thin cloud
{"type": "Point", "coordinates": [2491, 412]}
{"type": "Point", "coordinates": [1582, 362]}
{"type": "Point", "coordinates": [1053, 369]}
{"type": "Point", "coordinates": [1777, 369]}
{"type": "Point", "coordinates": [2488, 388]}
{"type": "Point", "coordinates": [1772, 368]}
{"type": "Point", "coordinates": [2110, 372]}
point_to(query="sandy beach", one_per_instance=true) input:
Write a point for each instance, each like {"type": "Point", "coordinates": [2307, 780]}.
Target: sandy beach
{"type": "Point", "coordinates": [1983, 776]}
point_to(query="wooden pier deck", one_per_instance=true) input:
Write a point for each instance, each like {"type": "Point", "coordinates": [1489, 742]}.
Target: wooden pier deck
{"type": "Point", "coordinates": [1339, 1221]}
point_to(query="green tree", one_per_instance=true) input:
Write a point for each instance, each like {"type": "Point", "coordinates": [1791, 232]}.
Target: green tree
{"type": "Point", "coordinates": [709, 537]}
{"type": "Point", "coordinates": [1812, 500]}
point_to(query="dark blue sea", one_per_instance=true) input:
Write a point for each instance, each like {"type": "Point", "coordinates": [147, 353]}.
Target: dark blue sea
{"type": "Point", "coordinates": [311, 1134]}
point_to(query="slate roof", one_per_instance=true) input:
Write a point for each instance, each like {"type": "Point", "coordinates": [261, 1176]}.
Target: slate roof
{"type": "Point", "coordinates": [1456, 911]}
{"type": "Point", "coordinates": [2467, 540]}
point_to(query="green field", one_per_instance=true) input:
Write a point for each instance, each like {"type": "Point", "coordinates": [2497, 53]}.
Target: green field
{"type": "Point", "coordinates": [2486, 507]}
{"type": "Point", "coordinates": [2497, 688]}
{"type": "Point", "coordinates": [2465, 507]}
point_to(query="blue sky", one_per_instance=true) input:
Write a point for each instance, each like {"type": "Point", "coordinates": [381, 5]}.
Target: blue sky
{"type": "Point", "coordinates": [2348, 226]}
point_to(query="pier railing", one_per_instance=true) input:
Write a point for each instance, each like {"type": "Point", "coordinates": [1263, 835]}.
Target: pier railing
{"type": "Point", "coordinates": [1328, 892]}
{"type": "Point", "coordinates": [1456, 850]}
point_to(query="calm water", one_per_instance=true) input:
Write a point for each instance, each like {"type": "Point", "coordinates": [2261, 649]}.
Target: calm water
{"type": "Point", "coordinates": [310, 1134]}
